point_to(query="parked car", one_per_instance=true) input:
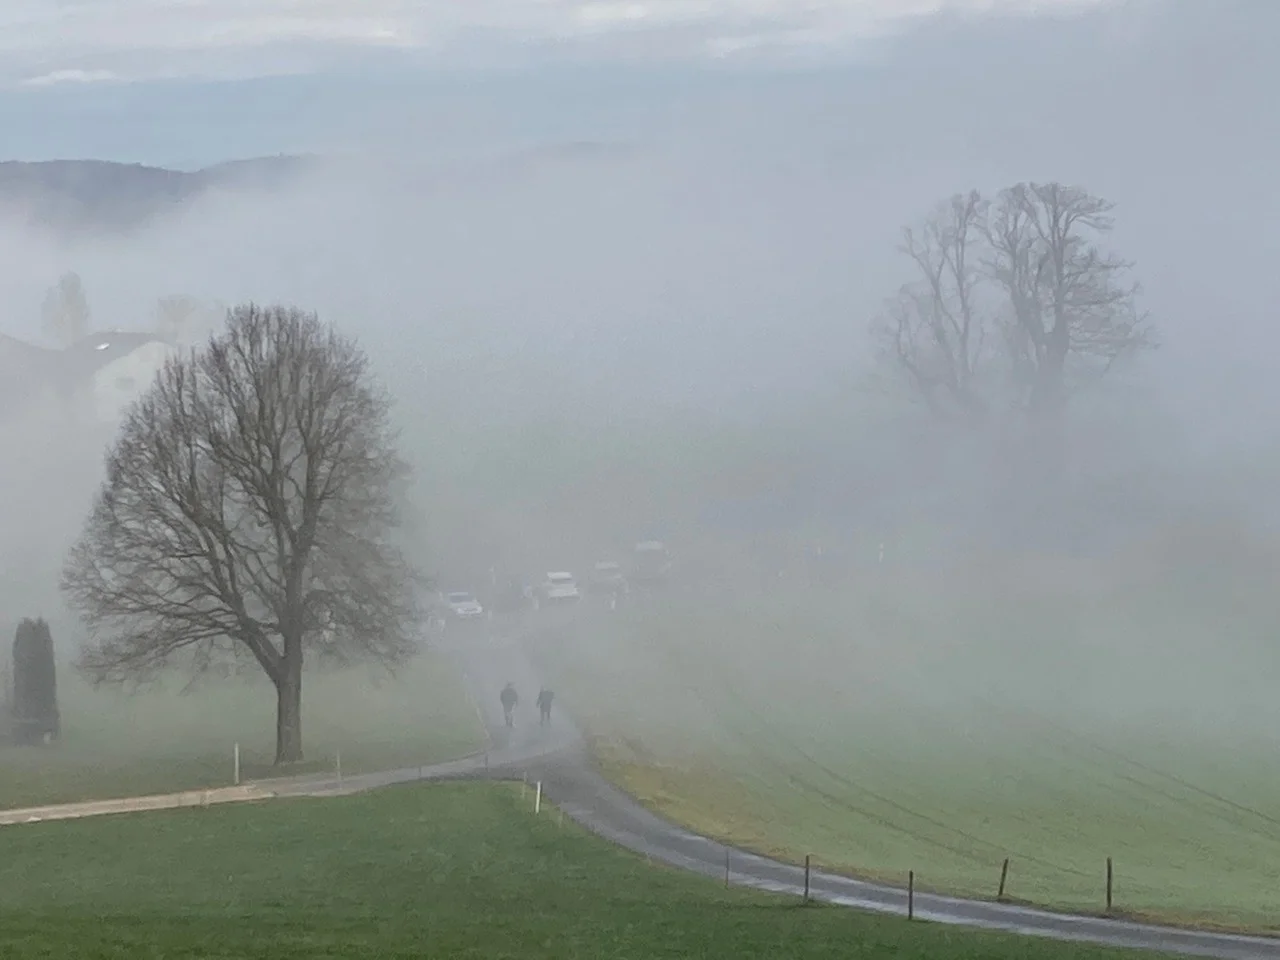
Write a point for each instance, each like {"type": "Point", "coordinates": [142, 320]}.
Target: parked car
{"type": "Point", "coordinates": [607, 577]}
{"type": "Point", "coordinates": [560, 587]}
{"type": "Point", "coordinates": [463, 606]}
{"type": "Point", "coordinates": [650, 561]}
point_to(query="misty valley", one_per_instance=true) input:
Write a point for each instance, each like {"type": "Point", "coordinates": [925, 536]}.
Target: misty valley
{"type": "Point", "coordinates": [846, 484]}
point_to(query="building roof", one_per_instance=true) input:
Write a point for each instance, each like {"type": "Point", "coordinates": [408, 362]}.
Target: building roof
{"type": "Point", "coordinates": [27, 370]}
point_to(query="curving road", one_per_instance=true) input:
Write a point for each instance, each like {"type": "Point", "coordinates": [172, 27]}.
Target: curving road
{"type": "Point", "coordinates": [555, 756]}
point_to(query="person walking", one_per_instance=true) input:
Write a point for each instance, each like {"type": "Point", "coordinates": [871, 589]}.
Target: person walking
{"type": "Point", "coordinates": [545, 697]}
{"type": "Point", "coordinates": [509, 700]}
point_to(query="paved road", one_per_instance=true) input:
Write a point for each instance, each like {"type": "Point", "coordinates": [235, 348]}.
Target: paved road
{"type": "Point", "coordinates": [555, 756]}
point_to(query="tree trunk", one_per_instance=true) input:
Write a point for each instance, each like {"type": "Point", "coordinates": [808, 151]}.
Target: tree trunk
{"type": "Point", "coordinates": [289, 714]}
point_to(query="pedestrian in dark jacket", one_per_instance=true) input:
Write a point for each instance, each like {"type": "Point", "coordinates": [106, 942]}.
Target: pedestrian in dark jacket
{"type": "Point", "coordinates": [545, 697]}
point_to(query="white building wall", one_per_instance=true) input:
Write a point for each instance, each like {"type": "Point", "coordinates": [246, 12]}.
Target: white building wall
{"type": "Point", "coordinates": [120, 382]}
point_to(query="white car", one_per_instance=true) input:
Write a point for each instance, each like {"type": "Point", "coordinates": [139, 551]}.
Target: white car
{"type": "Point", "coordinates": [560, 587]}
{"type": "Point", "coordinates": [463, 606]}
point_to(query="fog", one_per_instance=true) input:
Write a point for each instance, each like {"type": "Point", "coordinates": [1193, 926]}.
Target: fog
{"type": "Point", "coordinates": [664, 333]}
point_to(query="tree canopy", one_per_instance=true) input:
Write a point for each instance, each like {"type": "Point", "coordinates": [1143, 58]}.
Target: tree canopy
{"type": "Point", "coordinates": [1016, 302]}
{"type": "Point", "coordinates": [248, 512]}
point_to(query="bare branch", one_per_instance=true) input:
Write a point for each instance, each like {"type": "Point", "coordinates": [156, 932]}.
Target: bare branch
{"type": "Point", "coordinates": [1070, 310]}
{"type": "Point", "coordinates": [935, 331]}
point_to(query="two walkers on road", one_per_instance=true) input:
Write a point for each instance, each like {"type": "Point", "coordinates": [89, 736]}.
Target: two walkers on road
{"type": "Point", "coordinates": [510, 698]}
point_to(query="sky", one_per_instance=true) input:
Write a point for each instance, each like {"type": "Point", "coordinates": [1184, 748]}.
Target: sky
{"type": "Point", "coordinates": [182, 83]}
{"type": "Point", "coordinates": [46, 42]}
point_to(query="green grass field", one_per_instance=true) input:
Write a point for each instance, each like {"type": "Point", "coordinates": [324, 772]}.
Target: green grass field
{"type": "Point", "coordinates": [899, 728]}
{"type": "Point", "coordinates": [116, 745]}
{"type": "Point", "coordinates": [439, 871]}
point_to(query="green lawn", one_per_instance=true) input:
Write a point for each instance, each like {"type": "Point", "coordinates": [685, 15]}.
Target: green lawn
{"type": "Point", "coordinates": [440, 871]}
{"type": "Point", "coordinates": [116, 745]}
{"type": "Point", "coordinates": [899, 728]}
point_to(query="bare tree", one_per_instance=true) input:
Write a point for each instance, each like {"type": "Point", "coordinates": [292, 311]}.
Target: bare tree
{"type": "Point", "coordinates": [248, 511]}
{"type": "Point", "coordinates": [64, 315]}
{"type": "Point", "coordinates": [1071, 310]}
{"type": "Point", "coordinates": [935, 330]}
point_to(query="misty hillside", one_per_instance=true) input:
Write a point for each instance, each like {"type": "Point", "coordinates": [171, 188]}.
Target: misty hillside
{"type": "Point", "coordinates": [101, 195]}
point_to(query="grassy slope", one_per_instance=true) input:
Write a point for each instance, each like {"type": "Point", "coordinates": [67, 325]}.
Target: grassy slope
{"type": "Point", "coordinates": [115, 745]}
{"type": "Point", "coordinates": [446, 871]}
{"type": "Point", "coordinates": [792, 735]}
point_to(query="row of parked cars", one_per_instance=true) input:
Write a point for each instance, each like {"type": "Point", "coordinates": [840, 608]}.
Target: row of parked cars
{"type": "Point", "coordinates": [650, 563]}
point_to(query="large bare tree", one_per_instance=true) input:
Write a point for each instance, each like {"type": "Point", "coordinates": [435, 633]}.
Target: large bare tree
{"type": "Point", "coordinates": [248, 511]}
{"type": "Point", "coordinates": [935, 330]}
{"type": "Point", "coordinates": [1024, 279]}
{"type": "Point", "coordinates": [1071, 307]}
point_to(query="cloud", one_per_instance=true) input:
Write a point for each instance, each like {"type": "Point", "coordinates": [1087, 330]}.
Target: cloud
{"type": "Point", "coordinates": [84, 39]}
{"type": "Point", "coordinates": [71, 76]}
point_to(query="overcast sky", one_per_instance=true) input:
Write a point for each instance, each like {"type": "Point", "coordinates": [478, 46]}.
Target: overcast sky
{"type": "Point", "coordinates": [51, 41]}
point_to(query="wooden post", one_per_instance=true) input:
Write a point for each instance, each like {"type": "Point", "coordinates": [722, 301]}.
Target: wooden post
{"type": "Point", "coordinates": [537, 798]}
{"type": "Point", "coordinates": [911, 894]}
{"type": "Point", "coordinates": [1108, 884]}
{"type": "Point", "coordinates": [236, 764]}
{"type": "Point", "coordinates": [726, 868]}
{"type": "Point", "coordinates": [806, 878]}
{"type": "Point", "coordinates": [1004, 875]}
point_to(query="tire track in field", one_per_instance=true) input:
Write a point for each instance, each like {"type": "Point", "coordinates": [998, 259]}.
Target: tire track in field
{"type": "Point", "coordinates": [766, 759]}
{"type": "Point", "coordinates": [1267, 826]}
{"type": "Point", "coordinates": [981, 850]}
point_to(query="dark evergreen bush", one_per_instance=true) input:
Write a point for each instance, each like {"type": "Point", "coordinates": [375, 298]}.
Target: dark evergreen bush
{"type": "Point", "coordinates": [35, 684]}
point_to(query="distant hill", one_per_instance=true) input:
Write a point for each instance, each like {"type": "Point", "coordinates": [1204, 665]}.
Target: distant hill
{"type": "Point", "coordinates": [87, 196]}
{"type": "Point", "coordinates": [99, 195]}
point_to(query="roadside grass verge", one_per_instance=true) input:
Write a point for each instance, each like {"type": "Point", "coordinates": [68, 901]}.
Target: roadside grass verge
{"type": "Point", "coordinates": [441, 871]}
{"type": "Point", "coordinates": [883, 733]}
{"type": "Point", "coordinates": [115, 745]}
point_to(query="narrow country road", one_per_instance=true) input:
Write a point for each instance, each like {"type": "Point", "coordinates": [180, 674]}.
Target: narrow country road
{"type": "Point", "coordinates": [556, 757]}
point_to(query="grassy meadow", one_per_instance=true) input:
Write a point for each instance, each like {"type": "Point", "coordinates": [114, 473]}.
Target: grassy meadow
{"type": "Point", "coordinates": [460, 870]}
{"type": "Point", "coordinates": [1052, 714]}
{"type": "Point", "coordinates": [164, 740]}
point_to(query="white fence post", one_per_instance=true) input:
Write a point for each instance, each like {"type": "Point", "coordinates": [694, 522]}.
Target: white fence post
{"type": "Point", "coordinates": [236, 758]}
{"type": "Point", "coordinates": [537, 799]}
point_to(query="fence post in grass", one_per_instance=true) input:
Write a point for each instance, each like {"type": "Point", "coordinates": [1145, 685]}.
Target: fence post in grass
{"type": "Point", "coordinates": [726, 868]}
{"type": "Point", "coordinates": [235, 754]}
{"type": "Point", "coordinates": [537, 798]}
{"type": "Point", "coordinates": [911, 894]}
{"type": "Point", "coordinates": [806, 877]}
{"type": "Point", "coordinates": [1108, 884]}
{"type": "Point", "coordinates": [1004, 875]}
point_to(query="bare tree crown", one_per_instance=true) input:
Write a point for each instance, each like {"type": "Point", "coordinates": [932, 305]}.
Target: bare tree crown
{"type": "Point", "coordinates": [248, 506]}
{"type": "Point", "coordinates": [1023, 275]}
